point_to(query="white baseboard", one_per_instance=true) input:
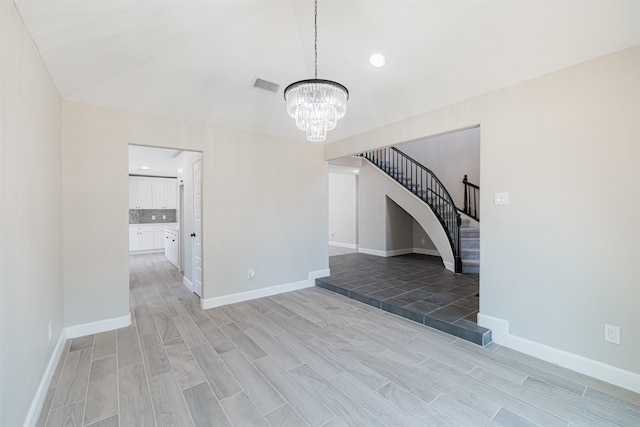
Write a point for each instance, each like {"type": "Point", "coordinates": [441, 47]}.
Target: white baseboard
{"type": "Point", "coordinates": [344, 245]}
{"type": "Point", "coordinates": [148, 251]}
{"type": "Point", "coordinates": [41, 393]}
{"type": "Point", "coordinates": [423, 251]}
{"type": "Point", "coordinates": [206, 303]}
{"type": "Point", "coordinates": [448, 265]}
{"type": "Point", "coordinates": [593, 368]}
{"type": "Point", "coordinates": [187, 283]}
{"type": "Point", "coordinates": [385, 254]}
{"type": "Point", "coordinates": [68, 333]}
{"type": "Point", "coordinates": [375, 252]}
{"type": "Point", "coordinates": [99, 326]}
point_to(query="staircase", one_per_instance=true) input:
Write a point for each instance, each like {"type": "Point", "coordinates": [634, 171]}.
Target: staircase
{"type": "Point", "coordinates": [470, 246]}
{"type": "Point", "coordinates": [463, 233]}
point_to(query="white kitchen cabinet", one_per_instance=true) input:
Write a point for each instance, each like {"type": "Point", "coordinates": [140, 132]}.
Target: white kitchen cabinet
{"type": "Point", "coordinates": [152, 193]}
{"type": "Point", "coordinates": [140, 193]}
{"type": "Point", "coordinates": [140, 238]}
{"type": "Point", "coordinates": [146, 237]}
{"type": "Point", "coordinates": [158, 237]}
{"type": "Point", "coordinates": [164, 194]}
{"type": "Point", "coordinates": [172, 245]}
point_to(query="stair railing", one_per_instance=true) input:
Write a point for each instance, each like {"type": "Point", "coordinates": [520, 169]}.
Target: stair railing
{"type": "Point", "coordinates": [471, 199]}
{"type": "Point", "coordinates": [423, 183]}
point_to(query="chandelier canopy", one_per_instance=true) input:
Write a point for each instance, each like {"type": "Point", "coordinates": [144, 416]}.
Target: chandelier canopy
{"type": "Point", "coordinates": [316, 104]}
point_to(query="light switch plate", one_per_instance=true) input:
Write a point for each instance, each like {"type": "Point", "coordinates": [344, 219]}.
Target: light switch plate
{"type": "Point", "coordinates": [501, 198]}
{"type": "Point", "coordinates": [153, 217]}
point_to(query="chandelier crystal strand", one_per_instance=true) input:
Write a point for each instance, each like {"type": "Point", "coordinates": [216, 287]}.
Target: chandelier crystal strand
{"type": "Point", "coordinates": [316, 104]}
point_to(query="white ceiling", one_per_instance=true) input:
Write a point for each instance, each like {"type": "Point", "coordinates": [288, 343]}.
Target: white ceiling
{"type": "Point", "coordinates": [159, 161]}
{"type": "Point", "coordinates": [196, 60]}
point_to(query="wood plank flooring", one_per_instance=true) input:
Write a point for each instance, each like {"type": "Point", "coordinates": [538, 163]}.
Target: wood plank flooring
{"type": "Point", "coordinates": [305, 358]}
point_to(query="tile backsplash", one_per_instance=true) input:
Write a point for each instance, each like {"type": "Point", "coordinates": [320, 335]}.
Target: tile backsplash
{"type": "Point", "coordinates": [145, 216]}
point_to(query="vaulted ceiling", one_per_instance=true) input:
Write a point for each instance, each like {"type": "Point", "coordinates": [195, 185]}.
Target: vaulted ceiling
{"type": "Point", "coordinates": [196, 60]}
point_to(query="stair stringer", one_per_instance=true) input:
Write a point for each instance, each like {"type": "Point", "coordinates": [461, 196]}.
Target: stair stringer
{"type": "Point", "coordinates": [417, 208]}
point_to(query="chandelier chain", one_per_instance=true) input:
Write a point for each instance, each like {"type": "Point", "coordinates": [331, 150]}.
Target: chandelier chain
{"type": "Point", "coordinates": [315, 42]}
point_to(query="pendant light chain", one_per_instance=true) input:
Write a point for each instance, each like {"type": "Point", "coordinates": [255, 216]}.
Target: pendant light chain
{"type": "Point", "coordinates": [315, 43]}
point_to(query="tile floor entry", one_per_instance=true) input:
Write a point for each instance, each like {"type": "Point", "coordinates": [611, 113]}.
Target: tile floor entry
{"type": "Point", "coordinates": [305, 358]}
{"type": "Point", "coordinates": [413, 286]}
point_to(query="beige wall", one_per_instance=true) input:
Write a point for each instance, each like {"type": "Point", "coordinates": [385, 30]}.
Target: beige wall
{"type": "Point", "coordinates": [264, 207]}
{"type": "Point", "coordinates": [385, 212]}
{"type": "Point", "coordinates": [419, 235]}
{"type": "Point", "coordinates": [563, 258]}
{"type": "Point", "coordinates": [31, 217]}
{"type": "Point", "coordinates": [450, 157]}
{"type": "Point", "coordinates": [399, 225]}
{"type": "Point", "coordinates": [342, 208]}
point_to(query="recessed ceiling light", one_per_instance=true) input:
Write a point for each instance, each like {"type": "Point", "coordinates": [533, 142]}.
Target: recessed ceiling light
{"type": "Point", "coordinates": [144, 168]}
{"type": "Point", "coordinates": [377, 60]}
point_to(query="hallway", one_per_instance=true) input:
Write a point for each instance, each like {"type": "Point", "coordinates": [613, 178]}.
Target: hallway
{"type": "Point", "coordinates": [308, 357]}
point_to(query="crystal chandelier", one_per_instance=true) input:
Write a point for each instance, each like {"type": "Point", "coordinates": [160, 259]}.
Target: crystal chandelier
{"type": "Point", "coordinates": [316, 104]}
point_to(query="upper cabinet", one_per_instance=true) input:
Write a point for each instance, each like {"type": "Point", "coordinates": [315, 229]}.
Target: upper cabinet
{"type": "Point", "coordinates": [164, 194]}
{"type": "Point", "coordinates": [152, 193]}
{"type": "Point", "coordinates": [140, 193]}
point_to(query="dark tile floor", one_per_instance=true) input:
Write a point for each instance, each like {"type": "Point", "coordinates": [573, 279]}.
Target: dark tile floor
{"type": "Point", "coordinates": [413, 286]}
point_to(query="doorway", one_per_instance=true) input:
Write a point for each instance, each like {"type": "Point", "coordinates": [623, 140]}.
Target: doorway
{"type": "Point", "coordinates": [165, 207]}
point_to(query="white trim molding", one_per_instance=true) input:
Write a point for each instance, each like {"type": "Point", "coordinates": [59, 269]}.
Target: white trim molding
{"type": "Point", "coordinates": [448, 265]}
{"type": "Point", "coordinates": [396, 252]}
{"type": "Point", "coordinates": [423, 251]}
{"type": "Point", "coordinates": [206, 303]}
{"type": "Point", "coordinates": [593, 368]}
{"type": "Point", "coordinates": [38, 401]}
{"type": "Point", "coordinates": [386, 254]}
{"type": "Point", "coordinates": [69, 332]}
{"type": "Point", "coordinates": [344, 245]}
{"type": "Point", "coordinates": [187, 283]}
{"type": "Point", "coordinates": [98, 326]}
{"type": "Point", "coordinates": [375, 252]}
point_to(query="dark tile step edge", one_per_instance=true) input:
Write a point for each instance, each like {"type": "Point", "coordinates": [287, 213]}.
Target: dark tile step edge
{"type": "Point", "coordinates": [478, 335]}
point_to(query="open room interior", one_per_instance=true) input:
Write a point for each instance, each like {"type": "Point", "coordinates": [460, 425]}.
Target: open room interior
{"type": "Point", "coordinates": [93, 334]}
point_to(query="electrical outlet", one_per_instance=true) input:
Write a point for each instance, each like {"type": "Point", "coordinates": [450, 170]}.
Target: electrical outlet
{"type": "Point", "coordinates": [251, 274]}
{"type": "Point", "coordinates": [50, 329]}
{"type": "Point", "coordinates": [612, 334]}
{"type": "Point", "coordinates": [423, 241]}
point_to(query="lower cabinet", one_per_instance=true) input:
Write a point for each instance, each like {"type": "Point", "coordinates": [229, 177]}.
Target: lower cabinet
{"type": "Point", "coordinates": [172, 245]}
{"type": "Point", "coordinates": [146, 237]}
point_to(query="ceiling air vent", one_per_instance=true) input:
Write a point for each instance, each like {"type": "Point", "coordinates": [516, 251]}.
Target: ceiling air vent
{"type": "Point", "coordinates": [265, 85]}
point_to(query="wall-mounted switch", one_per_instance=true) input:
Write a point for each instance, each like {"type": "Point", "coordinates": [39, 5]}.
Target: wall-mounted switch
{"type": "Point", "coordinates": [50, 329]}
{"type": "Point", "coordinates": [153, 217]}
{"type": "Point", "coordinates": [501, 198]}
{"type": "Point", "coordinates": [251, 274]}
{"type": "Point", "coordinates": [164, 217]}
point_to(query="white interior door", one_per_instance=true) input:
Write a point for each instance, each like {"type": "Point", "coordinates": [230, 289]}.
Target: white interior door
{"type": "Point", "coordinates": [197, 227]}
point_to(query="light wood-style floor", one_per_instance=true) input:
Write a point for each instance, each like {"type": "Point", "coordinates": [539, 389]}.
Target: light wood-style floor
{"type": "Point", "coordinates": [308, 357]}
